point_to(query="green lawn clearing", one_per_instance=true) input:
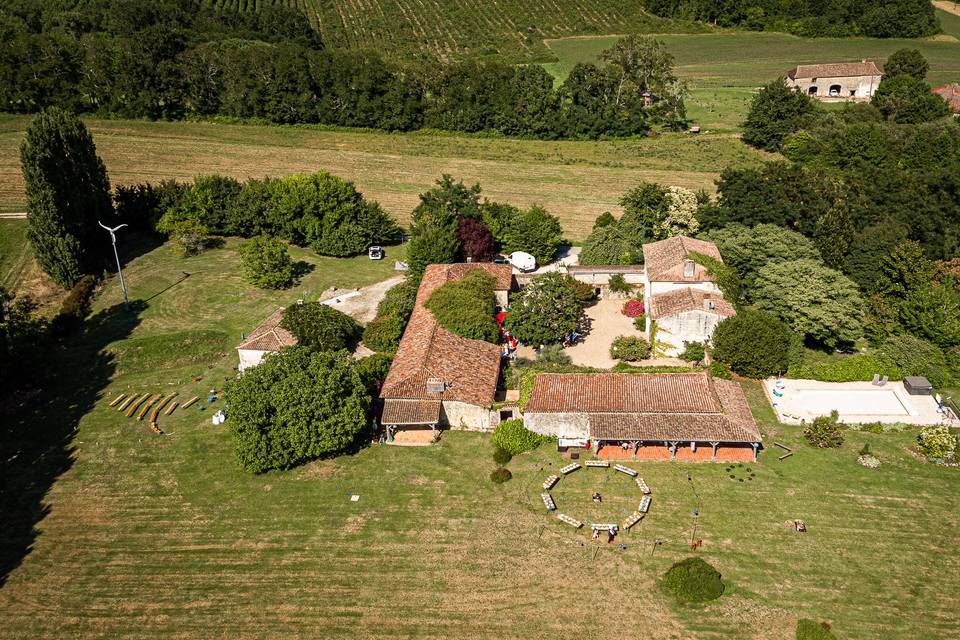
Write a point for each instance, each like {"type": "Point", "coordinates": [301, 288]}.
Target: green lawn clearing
{"type": "Point", "coordinates": [15, 254]}
{"type": "Point", "coordinates": [724, 69]}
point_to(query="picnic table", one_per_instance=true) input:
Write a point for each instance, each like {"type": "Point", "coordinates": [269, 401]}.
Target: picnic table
{"type": "Point", "coordinates": [570, 468]}
{"type": "Point", "coordinates": [573, 522]}
{"type": "Point", "coordinates": [644, 504]}
{"type": "Point", "coordinates": [597, 463]}
{"type": "Point", "coordinates": [643, 486]}
{"type": "Point", "coordinates": [633, 519]}
{"type": "Point", "coordinates": [548, 502]}
{"type": "Point", "coordinates": [626, 470]}
{"type": "Point", "coordinates": [549, 482]}
{"type": "Point", "coordinates": [604, 527]}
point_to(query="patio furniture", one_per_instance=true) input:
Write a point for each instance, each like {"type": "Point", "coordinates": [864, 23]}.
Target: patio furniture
{"type": "Point", "coordinates": [883, 381]}
{"type": "Point", "coordinates": [644, 504]}
{"type": "Point", "coordinates": [876, 380]}
{"type": "Point", "coordinates": [573, 522]}
{"type": "Point", "coordinates": [548, 501]}
{"type": "Point", "coordinates": [604, 527]}
{"type": "Point", "coordinates": [643, 486]}
{"type": "Point", "coordinates": [596, 463]}
{"type": "Point", "coordinates": [627, 470]}
{"type": "Point", "coordinates": [549, 482]}
{"type": "Point", "coordinates": [777, 393]}
{"type": "Point", "coordinates": [570, 468]}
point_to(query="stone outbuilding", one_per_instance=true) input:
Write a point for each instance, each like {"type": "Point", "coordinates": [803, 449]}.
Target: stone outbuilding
{"type": "Point", "coordinates": [670, 416]}
{"type": "Point", "coordinates": [598, 276]}
{"type": "Point", "coordinates": [687, 315]}
{"type": "Point", "coordinates": [836, 81]}
{"type": "Point", "coordinates": [268, 337]}
{"type": "Point", "coordinates": [437, 378]}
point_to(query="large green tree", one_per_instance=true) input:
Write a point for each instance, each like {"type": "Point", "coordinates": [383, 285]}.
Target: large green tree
{"type": "Point", "coordinates": [816, 301]}
{"type": "Point", "coordinates": [320, 326]}
{"type": "Point", "coordinates": [67, 193]}
{"type": "Point", "coordinates": [775, 112]}
{"type": "Point", "coordinates": [908, 61]}
{"type": "Point", "coordinates": [295, 406]}
{"type": "Point", "coordinates": [904, 99]}
{"type": "Point", "coordinates": [536, 232]}
{"type": "Point", "coordinates": [748, 249]}
{"type": "Point", "coordinates": [547, 309]}
{"type": "Point", "coordinates": [266, 263]}
{"type": "Point", "coordinates": [753, 343]}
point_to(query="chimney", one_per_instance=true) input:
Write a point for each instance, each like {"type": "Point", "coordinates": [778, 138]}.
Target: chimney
{"type": "Point", "coordinates": [688, 268]}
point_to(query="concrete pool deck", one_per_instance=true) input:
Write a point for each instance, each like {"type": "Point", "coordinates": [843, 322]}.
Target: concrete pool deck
{"type": "Point", "coordinates": [856, 402]}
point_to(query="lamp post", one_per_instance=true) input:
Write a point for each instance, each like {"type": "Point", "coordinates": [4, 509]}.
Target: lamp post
{"type": "Point", "coordinates": [113, 240]}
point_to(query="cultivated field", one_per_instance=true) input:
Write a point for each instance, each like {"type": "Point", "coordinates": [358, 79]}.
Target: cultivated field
{"type": "Point", "coordinates": [724, 69]}
{"type": "Point", "coordinates": [163, 536]}
{"type": "Point", "coordinates": [430, 29]}
{"type": "Point", "coordinates": [576, 181]}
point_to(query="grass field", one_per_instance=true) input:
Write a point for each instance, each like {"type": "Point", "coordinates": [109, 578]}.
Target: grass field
{"type": "Point", "coordinates": [147, 536]}
{"type": "Point", "coordinates": [14, 252]}
{"type": "Point", "coordinates": [576, 181]}
{"type": "Point", "coordinates": [724, 69]}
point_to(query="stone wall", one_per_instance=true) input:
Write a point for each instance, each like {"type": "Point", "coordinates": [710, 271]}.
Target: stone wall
{"type": "Point", "coordinates": [561, 425]}
{"type": "Point", "coordinates": [692, 326]}
{"type": "Point", "coordinates": [464, 416]}
{"type": "Point", "coordinates": [250, 358]}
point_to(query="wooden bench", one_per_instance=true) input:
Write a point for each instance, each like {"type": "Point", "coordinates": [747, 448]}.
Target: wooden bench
{"type": "Point", "coordinates": [136, 405]}
{"type": "Point", "coordinates": [548, 502]}
{"type": "Point", "coordinates": [126, 403]}
{"type": "Point", "coordinates": [644, 504]}
{"type": "Point", "coordinates": [171, 408]}
{"type": "Point", "coordinates": [550, 482]}
{"type": "Point", "coordinates": [633, 519]}
{"type": "Point", "coordinates": [189, 402]}
{"type": "Point", "coordinates": [643, 486]}
{"type": "Point", "coordinates": [573, 522]}
{"type": "Point", "coordinates": [570, 468]}
{"type": "Point", "coordinates": [627, 470]}
{"type": "Point", "coordinates": [597, 463]}
{"type": "Point", "coordinates": [119, 398]}
{"type": "Point", "coordinates": [604, 527]}
{"type": "Point", "coordinates": [147, 405]}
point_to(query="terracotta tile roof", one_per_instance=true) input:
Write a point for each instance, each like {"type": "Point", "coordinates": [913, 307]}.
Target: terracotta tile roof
{"type": "Point", "coordinates": [622, 393]}
{"type": "Point", "coordinates": [502, 272]}
{"type": "Point", "coordinates": [269, 335]}
{"type": "Point", "coordinates": [427, 350]}
{"type": "Point", "coordinates": [686, 299]}
{"type": "Point", "coordinates": [664, 259]}
{"type": "Point", "coordinates": [411, 411]}
{"type": "Point", "coordinates": [950, 93]}
{"type": "Point", "coordinates": [834, 70]}
{"type": "Point", "coordinates": [669, 406]}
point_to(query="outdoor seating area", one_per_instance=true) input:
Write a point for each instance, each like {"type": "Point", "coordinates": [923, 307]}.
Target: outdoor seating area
{"type": "Point", "coordinates": [550, 481]}
{"type": "Point", "coordinates": [642, 485]}
{"type": "Point", "coordinates": [633, 519]}
{"type": "Point", "coordinates": [644, 505]}
{"type": "Point", "coordinates": [570, 468]}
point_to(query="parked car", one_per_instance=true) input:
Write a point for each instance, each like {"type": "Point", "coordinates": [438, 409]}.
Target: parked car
{"type": "Point", "coordinates": [375, 253]}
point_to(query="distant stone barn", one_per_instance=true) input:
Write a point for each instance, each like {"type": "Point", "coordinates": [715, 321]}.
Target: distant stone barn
{"type": "Point", "coordinates": [836, 81]}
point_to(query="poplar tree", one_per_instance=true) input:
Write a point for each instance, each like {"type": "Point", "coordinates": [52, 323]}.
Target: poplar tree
{"type": "Point", "coordinates": [67, 192]}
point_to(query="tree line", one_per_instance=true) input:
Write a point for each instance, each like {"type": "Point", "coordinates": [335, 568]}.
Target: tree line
{"type": "Point", "coordinates": [175, 59]}
{"type": "Point", "coordinates": [810, 18]}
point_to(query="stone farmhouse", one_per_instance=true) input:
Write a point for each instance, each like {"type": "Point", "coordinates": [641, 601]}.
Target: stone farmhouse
{"type": "Point", "coordinates": [950, 93]}
{"type": "Point", "coordinates": [268, 337]}
{"type": "Point", "coordinates": [836, 81]}
{"type": "Point", "coordinates": [671, 416]}
{"type": "Point", "coordinates": [438, 378]}
{"type": "Point", "coordinates": [679, 294]}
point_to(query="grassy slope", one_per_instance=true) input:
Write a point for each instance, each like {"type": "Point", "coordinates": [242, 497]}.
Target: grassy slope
{"type": "Point", "coordinates": [574, 180]}
{"type": "Point", "coordinates": [949, 23]}
{"type": "Point", "coordinates": [152, 536]}
{"type": "Point", "coordinates": [14, 251]}
{"type": "Point", "coordinates": [725, 68]}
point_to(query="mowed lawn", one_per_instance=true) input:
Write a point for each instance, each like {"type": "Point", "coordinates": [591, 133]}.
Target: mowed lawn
{"type": "Point", "coordinates": [724, 69]}
{"type": "Point", "coordinates": [577, 181]}
{"type": "Point", "coordinates": [152, 536]}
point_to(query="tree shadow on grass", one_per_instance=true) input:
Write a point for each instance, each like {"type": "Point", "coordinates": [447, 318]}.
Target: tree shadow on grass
{"type": "Point", "coordinates": [301, 268]}
{"type": "Point", "coordinates": [37, 429]}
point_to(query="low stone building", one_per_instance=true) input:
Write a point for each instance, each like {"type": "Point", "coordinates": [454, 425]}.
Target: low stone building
{"type": "Point", "coordinates": [687, 315]}
{"type": "Point", "coordinates": [267, 337]}
{"type": "Point", "coordinates": [439, 379]}
{"type": "Point", "coordinates": [598, 276]}
{"type": "Point", "coordinates": [836, 81]}
{"type": "Point", "coordinates": [671, 416]}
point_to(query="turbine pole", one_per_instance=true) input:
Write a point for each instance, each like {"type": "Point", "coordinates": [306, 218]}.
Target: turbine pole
{"type": "Point", "coordinates": [113, 240]}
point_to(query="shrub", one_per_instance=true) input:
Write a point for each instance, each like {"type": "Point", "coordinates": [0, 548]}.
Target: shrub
{"type": "Point", "coordinates": [936, 442]}
{"type": "Point", "coordinates": [693, 580]}
{"type": "Point", "coordinates": [266, 263]}
{"type": "Point", "coordinates": [501, 456]}
{"type": "Point", "coordinates": [75, 307]}
{"type": "Point", "coordinates": [825, 432]}
{"type": "Point", "coordinates": [547, 309]}
{"type": "Point", "coordinates": [693, 352]}
{"type": "Point", "coordinates": [373, 371]}
{"type": "Point", "coordinates": [813, 630]}
{"type": "Point", "coordinates": [640, 323]}
{"type": "Point", "coordinates": [725, 275]}
{"type": "Point", "coordinates": [720, 370]}
{"type": "Point", "coordinates": [500, 475]}
{"type": "Point", "coordinates": [917, 357]}
{"type": "Point", "coordinates": [753, 343]}
{"type": "Point", "coordinates": [465, 306]}
{"type": "Point", "coordinates": [619, 284]}
{"type": "Point", "coordinates": [383, 333]}
{"type": "Point", "coordinates": [319, 326]}
{"type": "Point", "coordinates": [860, 367]}
{"type": "Point", "coordinates": [629, 348]}
{"type": "Point", "coordinates": [871, 427]}
{"type": "Point", "coordinates": [189, 236]}
{"type": "Point", "coordinates": [633, 309]}
{"type": "Point", "coordinates": [552, 355]}
{"type": "Point", "coordinates": [513, 437]}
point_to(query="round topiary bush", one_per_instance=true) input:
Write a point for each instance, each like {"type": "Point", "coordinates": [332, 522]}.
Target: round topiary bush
{"type": "Point", "coordinates": [825, 432]}
{"type": "Point", "coordinates": [501, 456]}
{"type": "Point", "coordinates": [693, 580]}
{"type": "Point", "coordinates": [755, 344]}
{"type": "Point", "coordinates": [629, 348]}
{"type": "Point", "coordinates": [500, 475]}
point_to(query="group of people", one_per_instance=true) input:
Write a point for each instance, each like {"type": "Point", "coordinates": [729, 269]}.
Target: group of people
{"type": "Point", "coordinates": [508, 343]}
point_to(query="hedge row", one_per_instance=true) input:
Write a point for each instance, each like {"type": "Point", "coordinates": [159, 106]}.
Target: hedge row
{"type": "Point", "coordinates": [856, 368]}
